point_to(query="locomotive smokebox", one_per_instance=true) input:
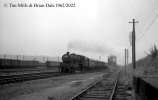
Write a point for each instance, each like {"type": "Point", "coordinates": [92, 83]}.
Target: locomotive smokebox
{"type": "Point", "coordinates": [66, 58]}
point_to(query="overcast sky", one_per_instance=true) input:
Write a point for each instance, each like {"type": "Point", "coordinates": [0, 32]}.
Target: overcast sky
{"type": "Point", "coordinates": [93, 28]}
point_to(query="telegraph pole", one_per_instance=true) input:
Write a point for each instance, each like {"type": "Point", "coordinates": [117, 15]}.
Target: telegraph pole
{"type": "Point", "coordinates": [125, 57]}
{"type": "Point", "coordinates": [43, 58]}
{"type": "Point", "coordinates": [58, 58]}
{"type": "Point", "coordinates": [125, 62]}
{"type": "Point", "coordinates": [133, 44]}
{"type": "Point", "coordinates": [17, 57]}
{"type": "Point", "coordinates": [99, 57]}
{"type": "Point", "coordinates": [4, 56]}
{"type": "Point", "coordinates": [23, 57]}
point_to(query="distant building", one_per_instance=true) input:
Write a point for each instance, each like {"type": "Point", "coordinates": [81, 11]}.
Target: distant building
{"type": "Point", "coordinates": [112, 60]}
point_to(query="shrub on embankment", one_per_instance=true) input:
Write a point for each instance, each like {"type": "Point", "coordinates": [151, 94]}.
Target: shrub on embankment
{"type": "Point", "coordinates": [147, 65]}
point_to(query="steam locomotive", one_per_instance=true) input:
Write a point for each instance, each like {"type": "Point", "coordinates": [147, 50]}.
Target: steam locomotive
{"type": "Point", "coordinates": [73, 62]}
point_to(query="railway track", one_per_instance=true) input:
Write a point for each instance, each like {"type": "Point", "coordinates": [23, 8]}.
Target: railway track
{"type": "Point", "coordinates": [33, 76]}
{"type": "Point", "coordinates": [26, 77]}
{"type": "Point", "coordinates": [109, 88]}
{"type": "Point", "coordinates": [26, 70]}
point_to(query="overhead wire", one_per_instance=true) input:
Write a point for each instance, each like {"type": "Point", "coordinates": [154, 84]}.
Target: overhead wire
{"type": "Point", "coordinates": [124, 16]}
{"type": "Point", "coordinates": [150, 14]}
{"type": "Point", "coordinates": [147, 41]}
{"type": "Point", "coordinates": [143, 34]}
{"type": "Point", "coordinates": [121, 11]}
{"type": "Point", "coordinates": [137, 40]}
{"type": "Point", "coordinates": [132, 9]}
{"type": "Point", "coordinates": [148, 27]}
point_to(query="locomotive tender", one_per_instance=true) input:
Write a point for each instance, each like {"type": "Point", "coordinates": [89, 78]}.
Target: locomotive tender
{"type": "Point", "coordinates": [73, 62]}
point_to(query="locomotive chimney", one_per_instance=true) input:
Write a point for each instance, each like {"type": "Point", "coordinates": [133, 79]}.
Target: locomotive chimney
{"type": "Point", "coordinates": [68, 53]}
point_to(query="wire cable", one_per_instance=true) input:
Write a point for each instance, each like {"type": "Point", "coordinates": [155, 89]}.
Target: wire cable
{"type": "Point", "coordinates": [143, 36]}
{"type": "Point", "coordinates": [148, 28]}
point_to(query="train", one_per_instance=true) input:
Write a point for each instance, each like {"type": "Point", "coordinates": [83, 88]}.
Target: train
{"type": "Point", "coordinates": [74, 62]}
{"type": "Point", "coordinates": [70, 63]}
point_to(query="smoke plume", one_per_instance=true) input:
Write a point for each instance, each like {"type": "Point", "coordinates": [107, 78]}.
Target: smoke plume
{"type": "Point", "coordinates": [91, 46]}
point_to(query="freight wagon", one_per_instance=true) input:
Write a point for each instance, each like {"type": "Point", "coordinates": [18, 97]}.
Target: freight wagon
{"type": "Point", "coordinates": [52, 64]}
{"type": "Point", "coordinates": [17, 64]}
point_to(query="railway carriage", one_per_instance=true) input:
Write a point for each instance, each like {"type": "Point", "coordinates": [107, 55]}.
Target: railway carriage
{"type": "Point", "coordinates": [92, 63]}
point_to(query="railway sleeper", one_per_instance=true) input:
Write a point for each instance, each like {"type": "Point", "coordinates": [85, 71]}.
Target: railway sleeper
{"type": "Point", "coordinates": [99, 93]}
{"type": "Point", "coordinates": [120, 91]}
{"type": "Point", "coordinates": [108, 89]}
{"type": "Point", "coordinates": [97, 89]}
{"type": "Point", "coordinates": [121, 87]}
{"type": "Point", "coordinates": [96, 92]}
{"type": "Point", "coordinates": [95, 97]}
{"type": "Point", "coordinates": [119, 98]}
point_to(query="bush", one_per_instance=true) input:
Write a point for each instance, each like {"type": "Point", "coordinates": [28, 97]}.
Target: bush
{"type": "Point", "coordinates": [153, 52]}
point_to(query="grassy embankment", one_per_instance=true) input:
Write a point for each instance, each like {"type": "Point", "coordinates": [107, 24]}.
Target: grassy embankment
{"type": "Point", "coordinates": [147, 65]}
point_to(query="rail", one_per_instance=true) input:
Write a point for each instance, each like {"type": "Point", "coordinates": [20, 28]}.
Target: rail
{"type": "Point", "coordinates": [112, 91]}
{"type": "Point", "coordinates": [33, 76]}
{"type": "Point", "coordinates": [114, 88]}
{"type": "Point", "coordinates": [77, 96]}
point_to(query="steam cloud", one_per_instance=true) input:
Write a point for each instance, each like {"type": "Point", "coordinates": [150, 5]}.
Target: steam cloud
{"type": "Point", "coordinates": [91, 46]}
